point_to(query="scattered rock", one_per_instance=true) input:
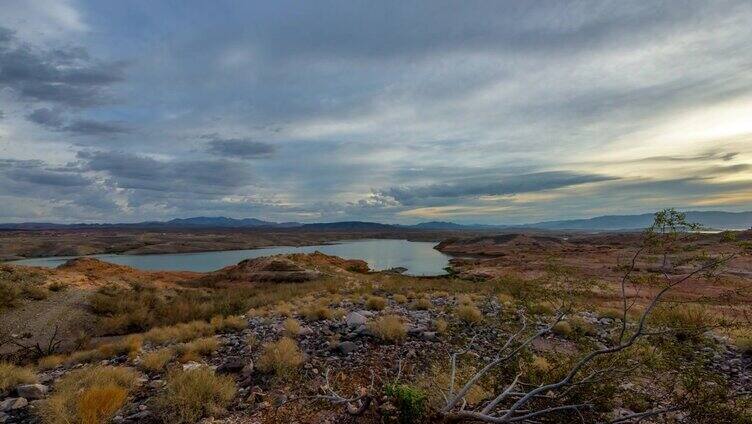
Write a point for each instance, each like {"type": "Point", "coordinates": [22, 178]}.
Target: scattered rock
{"type": "Point", "coordinates": [346, 347]}
{"type": "Point", "coordinates": [355, 319]}
{"type": "Point", "coordinates": [12, 404]}
{"type": "Point", "coordinates": [231, 365]}
{"type": "Point", "coordinates": [191, 366]}
{"type": "Point", "coordinates": [32, 391]}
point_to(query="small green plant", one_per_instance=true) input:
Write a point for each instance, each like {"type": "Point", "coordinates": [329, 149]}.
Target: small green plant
{"type": "Point", "coordinates": [410, 401]}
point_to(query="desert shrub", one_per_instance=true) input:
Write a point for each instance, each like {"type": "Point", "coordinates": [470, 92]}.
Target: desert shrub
{"type": "Point", "coordinates": [98, 404]}
{"type": "Point", "coordinates": [291, 327]}
{"type": "Point", "coordinates": [463, 299]}
{"type": "Point", "coordinates": [440, 325]}
{"type": "Point", "coordinates": [282, 357]}
{"type": "Point", "coordinates": [375, 303]}
{"type": "Point", "coordinates": [57, 286]}
{"type": "Point", "coordinates": [422, 304]}
{"type": "Point", "coordinates": [562, 328]}
{"type": "Point", "coordinates": [190, 395]}
{"type": "Point", "coordinates": [51, 361]}
{"type": "Point", "coordinates": [35, 292]}
{"type": "Point", "coordinates": [541, 308]}
{"type": "Point", "coordinates": [389, 328]}
{"type": "Point", "coordinates": [399, 298]}
{"type": "Point", "coordinates": [13, 375]}
{"type": "Point", "coordinates": [317, 312]}
{"type": "Point", "coordinates": [505, 299]}
{"type": "Point", "coordinates": [744, 344]}
{"type": "Point", "coordinates": [230, 323]}
{"type": "Point", "coordinates": [8, 295]}
{"type": "Point", "coordinates": [612, 313]}
{"type": "Point", "coordinates": [581, 327]}
{"type": "Point", "coordinates": [179, 332]}
{"type": "Point", "coordinates": [410, 401]}
{"type": "Point", "coordinates": [84, 356]}
{"type": "Point", "coordinates": [284, 309]}
{"type": "Point", "coordinates": [89, 396]}
{"type": "Point", "coordinates": [688, 321]}
{"type": "Point", "coordinates": [156, 361]}
{"type": "Point", "coordinates": [192, 351]}
{"type": "Point", "coordinates": [469, 314]}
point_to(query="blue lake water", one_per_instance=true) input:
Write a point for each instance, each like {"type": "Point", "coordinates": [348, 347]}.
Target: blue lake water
{"type": "Point", "coordinates": [420, 258]}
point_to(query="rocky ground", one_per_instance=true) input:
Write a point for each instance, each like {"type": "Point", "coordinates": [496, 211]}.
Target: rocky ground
{"type": "Point", "coordinates": [342, 345]}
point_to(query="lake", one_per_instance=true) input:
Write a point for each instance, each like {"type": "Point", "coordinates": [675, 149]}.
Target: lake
{"type": "Point", "coordinates": [420, 258]}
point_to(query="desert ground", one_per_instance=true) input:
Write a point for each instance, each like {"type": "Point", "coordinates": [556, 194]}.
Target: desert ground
{"type": "Point", "coordinates": [311, 338]}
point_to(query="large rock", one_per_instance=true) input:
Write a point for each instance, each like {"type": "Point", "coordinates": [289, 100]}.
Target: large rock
{"type": "Point", "coordinates": [231, 365]}
{"type": "Point", "coordinates": [32, 391]}
{"type": "Point", "coordinates": [354, 319]}
{"type": "Point", "coordinates": [346, 347]}
{"type": "Point", "coordinates": [13, 403]}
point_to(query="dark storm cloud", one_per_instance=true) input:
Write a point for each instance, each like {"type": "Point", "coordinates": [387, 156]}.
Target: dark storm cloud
{"type": "Point", "coordinates": [239, 148]}
{"type": "Point", "coordinates": [64, 77]}
{"type": "Point", "coordinates": [55, 120]}
{"type": "Point", "coordinates": [144, 173]}
{"type": "Point", "coordinates": [38, 172]}
{"type": "Point", "coordinates": [492, 185]}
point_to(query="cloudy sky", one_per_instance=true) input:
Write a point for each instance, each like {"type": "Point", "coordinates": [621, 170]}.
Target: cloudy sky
{"type": "Point", "coordinates": [405, 111]}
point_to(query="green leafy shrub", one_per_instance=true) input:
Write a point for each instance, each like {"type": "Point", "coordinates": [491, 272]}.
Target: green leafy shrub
{"type": "Point", "coordinates": [409, 400]}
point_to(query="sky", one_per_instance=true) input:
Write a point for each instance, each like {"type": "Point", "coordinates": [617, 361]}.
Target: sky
{"type": "Point", "coordinates": [392, 111]}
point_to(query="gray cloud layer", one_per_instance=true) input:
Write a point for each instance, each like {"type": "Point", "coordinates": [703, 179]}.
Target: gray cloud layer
{"type": "Point", "coordinates": [499, 111]}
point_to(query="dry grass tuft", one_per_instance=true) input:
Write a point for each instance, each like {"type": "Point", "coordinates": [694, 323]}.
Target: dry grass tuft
{"type": "Point", "coordinates": [284, 309]}
{"type": "Point", "coordinates": [562, 328]}
{"type": "Point", "coordinates": [190, 395]}
{"type": "Point", "coordinates": [440, 325]}
{"type": "Point", "coordinates": [399, 298]}
{"type": "Point", "coordinates": [422, 304]}
{"type": "Point", "coordinates": [157, 360]}
{"type": "Point", "coordinates": [469, 314]}
{"type": "Point", "coordinates": [317, 312]}
{"type": "Point", "coordinates": [291, 327]}
{"type": "Point", "coordinates": [50, 362]}
{"type": "Point", "coordinates": [179, 332]}
{"type": "Point", "coordinates": [389, 328]}
{"type": "Point", "coordinates": [13, 375]}
{"type": "Point", "coordinates": [228, 324]}
{"type": "Point", "coordinates": [34, 292]}
{"type": "Point", "coordinates": [99, 403]}
{"type": "Point", "coordinates": [89, 396]}
{"type": "Point", "coordinates": [375, 303]}
{"type": "Point", "coordinates": [282, 357]}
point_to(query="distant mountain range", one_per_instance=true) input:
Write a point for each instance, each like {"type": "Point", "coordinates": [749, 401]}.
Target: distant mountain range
{"type": "Point", "coordinates": [709, 219]}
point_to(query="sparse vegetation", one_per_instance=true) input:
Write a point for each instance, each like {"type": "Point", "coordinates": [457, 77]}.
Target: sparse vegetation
{"type": "Point", "coordinates": [440, 325]}
{"type": "Point", "coordinates": [317, 312]}
{"type": "Point", "coordinates": [156, 361]}
{"type": "Point", "coordinates": [292, 327]}
{"type": "Point", "coordinates": [90, 395]}
{"type": "Point", "coordinates": [469, 314]}
{"type": "Point", "coordinates": [190, 395]}
{"type": "Point", "coordinates": [12, 375]}
{"type": "Point", "coordinates": [282, 357]}
{"type": "Point", "coordinates": [51, 361]}
{"type": "Point", "coordinates": [375, 303]}
{"type": "Point", "coordinates": [399, 298]}
{"type": "Point", "coordinates": [411, 401]}
{"type": "Point", "coordinates": [422, 304]}
{"type": "Point", "coordinates": [389, 328]}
